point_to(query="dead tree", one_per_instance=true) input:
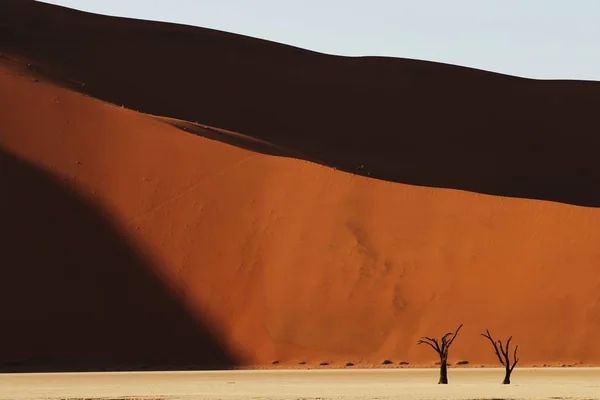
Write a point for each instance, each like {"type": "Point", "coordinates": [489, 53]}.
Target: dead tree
{"type": "Point", "coordinates": [503, 355]}
{"type": "Point", "coordinates": [441, 347]}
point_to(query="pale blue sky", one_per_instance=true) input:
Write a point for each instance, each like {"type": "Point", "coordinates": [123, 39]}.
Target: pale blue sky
{"type": "Point", "coordinates": [548, 39]}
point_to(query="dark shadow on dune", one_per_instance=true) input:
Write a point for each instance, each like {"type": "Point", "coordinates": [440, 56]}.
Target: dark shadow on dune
{"type": "Point", "coordinates": [76, 296]}
{"type": "Point", "coordinates": [399, 120]}
{"type": "Point", "coordinates": [241, 141]}
{"type": "Point", "coordinates": [233, 139]}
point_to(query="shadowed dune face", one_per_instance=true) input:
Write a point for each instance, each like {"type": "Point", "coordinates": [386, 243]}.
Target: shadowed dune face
{"type": "Point", "coordinates": [399, 120]}
{"type": "Point", "coordinates": [75, 294]}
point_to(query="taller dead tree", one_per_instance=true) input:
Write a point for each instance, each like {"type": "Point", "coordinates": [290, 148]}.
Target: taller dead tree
{"type": "Point", "coordinates": [503, 355]}
{"type": "Point", "coordinates": [441, 347]}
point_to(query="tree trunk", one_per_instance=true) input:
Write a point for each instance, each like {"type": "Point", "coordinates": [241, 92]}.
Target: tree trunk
{"type": "Point", "coordinates": [443, 373]}
{"type": "Point", "coordinates": [507, 377]}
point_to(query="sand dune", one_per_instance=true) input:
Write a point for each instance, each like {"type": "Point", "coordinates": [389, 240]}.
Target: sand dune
{"type": "Point", "coordinates": [401, 120]}
{"type": "Point", "coordinates": [272, 256]}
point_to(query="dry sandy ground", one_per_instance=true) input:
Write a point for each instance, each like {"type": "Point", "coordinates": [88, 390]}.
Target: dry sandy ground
{"type": "Point", "coordinates": [580, 383]}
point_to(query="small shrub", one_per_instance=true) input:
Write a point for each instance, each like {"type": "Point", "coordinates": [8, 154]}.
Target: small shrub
{"type": "Point", "coordinates": [302, 363]}
{"type": "Point", "coordinates": [403, 363]}
{"type": "Point", "coordinates": [275, 362]}
{"type": "Point", "coordinates": [462, 363]}
{"type": "Point", "coordinates": [324, 363]}
{"type": "Point", "coordinates": [386, 362]}
{"type": "Point", "coordinates": [349, 364]}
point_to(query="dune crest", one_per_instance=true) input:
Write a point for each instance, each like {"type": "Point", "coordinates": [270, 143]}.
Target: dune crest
{"type": "Point", "coordinates": [400, 120]}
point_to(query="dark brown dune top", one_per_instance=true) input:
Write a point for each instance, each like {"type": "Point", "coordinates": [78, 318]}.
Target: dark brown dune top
{"type": "Point", "coordinates": [401, 120]}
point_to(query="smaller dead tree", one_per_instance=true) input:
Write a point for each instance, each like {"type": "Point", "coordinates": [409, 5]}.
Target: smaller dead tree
{"type": "Point", "coordinates": [503, 355]}
{"type": "Point", "coordinates": [441, 347]}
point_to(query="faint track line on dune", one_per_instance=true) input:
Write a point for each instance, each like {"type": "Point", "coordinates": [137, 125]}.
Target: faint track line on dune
{"type": "Point", "coordinates": [189, 189]}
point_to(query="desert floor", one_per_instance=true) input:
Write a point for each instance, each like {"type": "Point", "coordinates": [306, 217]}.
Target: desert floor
{"type": "Point", "coordinates": [555, 383]}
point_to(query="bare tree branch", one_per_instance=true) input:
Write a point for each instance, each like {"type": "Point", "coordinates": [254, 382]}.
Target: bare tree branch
{"type": "Point", "coordinates": [502, 348]}
{"type": "Point", "coordinates": [453, 337]}
{"type": "Point", "coordinates": [429, 344]}
{"type": "Point", "coordinates": [507, 346]}
{"type": "Point", "coordinates": [515, 359]}
{"type": "Point", "coordinates": [445, 341]}
{"type": "Point", "coordinates": [489, 336]}
{"type": "Point", "coordinates": [433, 340]}
{"type": "Point", "coordinates": [445, 336]}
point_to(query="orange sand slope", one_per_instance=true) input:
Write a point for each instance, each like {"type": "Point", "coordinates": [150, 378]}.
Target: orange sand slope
{"type": "Point", "coordinates": [133, 244]}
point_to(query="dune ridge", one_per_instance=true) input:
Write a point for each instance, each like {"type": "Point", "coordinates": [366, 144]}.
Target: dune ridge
{"type": "Point", "coordinates": [285, 259]}
{"type": "Point", "coordinates": [401, 120]}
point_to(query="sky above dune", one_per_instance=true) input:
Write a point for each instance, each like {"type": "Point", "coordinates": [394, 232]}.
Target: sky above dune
{"type": "Point", "coordinates": [546, 39]}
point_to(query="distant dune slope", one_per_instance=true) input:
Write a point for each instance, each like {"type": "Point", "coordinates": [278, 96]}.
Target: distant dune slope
{"type": "Point", "coordinates": [400, 120]}
{"type": "Point", "coordinates": [279, 258]}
